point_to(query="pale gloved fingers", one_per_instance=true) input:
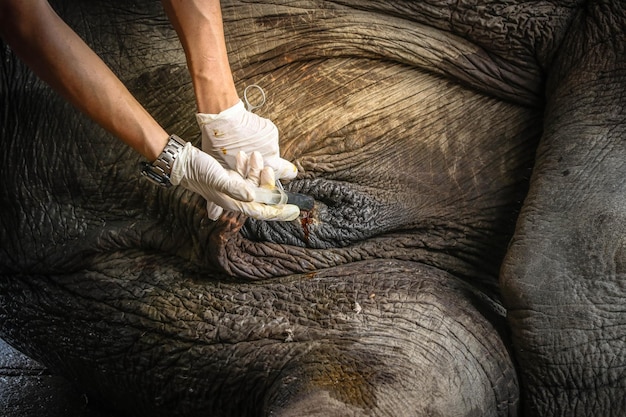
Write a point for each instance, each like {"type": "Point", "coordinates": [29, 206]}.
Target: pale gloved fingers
{"type": "Point", "coordinates": [242, 163]}
{"type": "Point", "coordinates": [260, 211]}
{"type": "Point", "coordinates": [255, 210]}
{"type": "Point", "coordinates": [283, 169]}
{"type": "Point", "coordinates": [267, 178]}
{"type": "Point", "coordinates": [255, 165]}
{"type": "Point", "coordinates": [251, 167]}
{"type": "Point", "coordinates": [213, 211]}
{"type": "Point", "coordinates": [200, 173]}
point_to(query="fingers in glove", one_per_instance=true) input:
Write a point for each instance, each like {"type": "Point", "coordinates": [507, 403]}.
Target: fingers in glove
{"type": "Point", "coordinates": [259, 211]}
{"type": "Point", "coordinates": [242, 162]}
{"type": "Point", "coordinates": [251, 168]}
{"type": "Point", "coordinates": [265, 212]}
{"type": "Point", "coordinates": [213, 211]}
{"type": "Point", "coordinates": [283, 169]}
{"type": "Point", "coordinates": [254, 168]}
{"type": "Point", "coordinates": [267, 178]}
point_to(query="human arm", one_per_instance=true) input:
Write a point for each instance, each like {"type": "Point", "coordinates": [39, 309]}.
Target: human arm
{"type": "Point", "coordinates": [227, 127]}
{"type": "Point", "coordinates": [199, 26]}
{"type": "Point", "coordinates": [56, 54]}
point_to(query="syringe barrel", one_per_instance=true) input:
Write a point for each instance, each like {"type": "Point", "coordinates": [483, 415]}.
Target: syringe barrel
{"type": "Point", "coordinates": [272, 197]}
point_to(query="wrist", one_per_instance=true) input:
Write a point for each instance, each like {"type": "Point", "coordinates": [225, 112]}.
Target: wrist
{"type": "Point", "coordinates": [231, 112]}
{"type": "Point", "coordinates": [214, 94]}
{"type": "Point", "coordinates": [154, 147]}
{"type": "Point", "coordinates": [160, 170]}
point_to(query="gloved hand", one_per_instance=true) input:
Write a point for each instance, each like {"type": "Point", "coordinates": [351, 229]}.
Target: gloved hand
{"type": "Point", "coordinates": [226, 189]}
{"type": "Point", "coordinates": [236, 129]}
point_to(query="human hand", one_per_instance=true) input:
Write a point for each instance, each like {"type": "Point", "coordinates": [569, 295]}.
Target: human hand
{"type": "Point", "coordinates": [236, 129]}
{"type": "Point", "coordinates": [227, 189]}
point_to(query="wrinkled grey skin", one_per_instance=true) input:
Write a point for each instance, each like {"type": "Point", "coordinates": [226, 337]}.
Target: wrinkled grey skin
{"type": "Point", "coordinates": [416, 127]}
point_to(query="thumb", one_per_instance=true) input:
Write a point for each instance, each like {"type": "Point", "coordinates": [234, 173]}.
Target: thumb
{"type": "Point", "coordinates": [236, 187]}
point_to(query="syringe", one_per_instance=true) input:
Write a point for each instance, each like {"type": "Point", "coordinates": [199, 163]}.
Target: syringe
{"type": "Point", "coordinates": [279, 196]}
{"type": "Point", "coordinates": [273, 197]}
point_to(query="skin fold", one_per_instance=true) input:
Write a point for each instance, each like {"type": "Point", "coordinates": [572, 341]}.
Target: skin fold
{"type": "Point", "coordinates": [450, 266]}
{"type": "Point", "coordinates": [565, 308]}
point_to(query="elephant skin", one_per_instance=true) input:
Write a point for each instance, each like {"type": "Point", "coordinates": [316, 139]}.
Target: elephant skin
{"type": "Point", "coordinates": [434, 276]}
{"type": "Point", "coordinates": [28, 389]}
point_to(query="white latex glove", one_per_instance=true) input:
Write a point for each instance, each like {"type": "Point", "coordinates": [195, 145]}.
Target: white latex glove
{"type": "Point", "coordinates": [226, 189]}
{"type": "Point", "coordinates": [236, 129]}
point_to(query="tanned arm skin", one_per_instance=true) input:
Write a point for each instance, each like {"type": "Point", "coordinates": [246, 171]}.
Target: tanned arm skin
{"type": "Point", "coordinates": [62, 59]}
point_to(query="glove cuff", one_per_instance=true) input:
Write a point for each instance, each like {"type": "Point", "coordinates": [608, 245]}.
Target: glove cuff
{"type": "Point", "coordinates": [206, 118]}
{"type": "Point", "coordinates": [179, 168]}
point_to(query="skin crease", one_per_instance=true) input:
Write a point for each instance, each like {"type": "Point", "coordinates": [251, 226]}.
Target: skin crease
{"type": "Point", "coordinates": [573, 297]}
{"type": "Point", "coordinates": [416, 133]}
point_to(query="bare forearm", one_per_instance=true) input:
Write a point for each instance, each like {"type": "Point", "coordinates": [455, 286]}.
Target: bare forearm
{"type": "Point", "coordinates": [200, 29]}
{"type": "Point", "coordinates": [58, 56]}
